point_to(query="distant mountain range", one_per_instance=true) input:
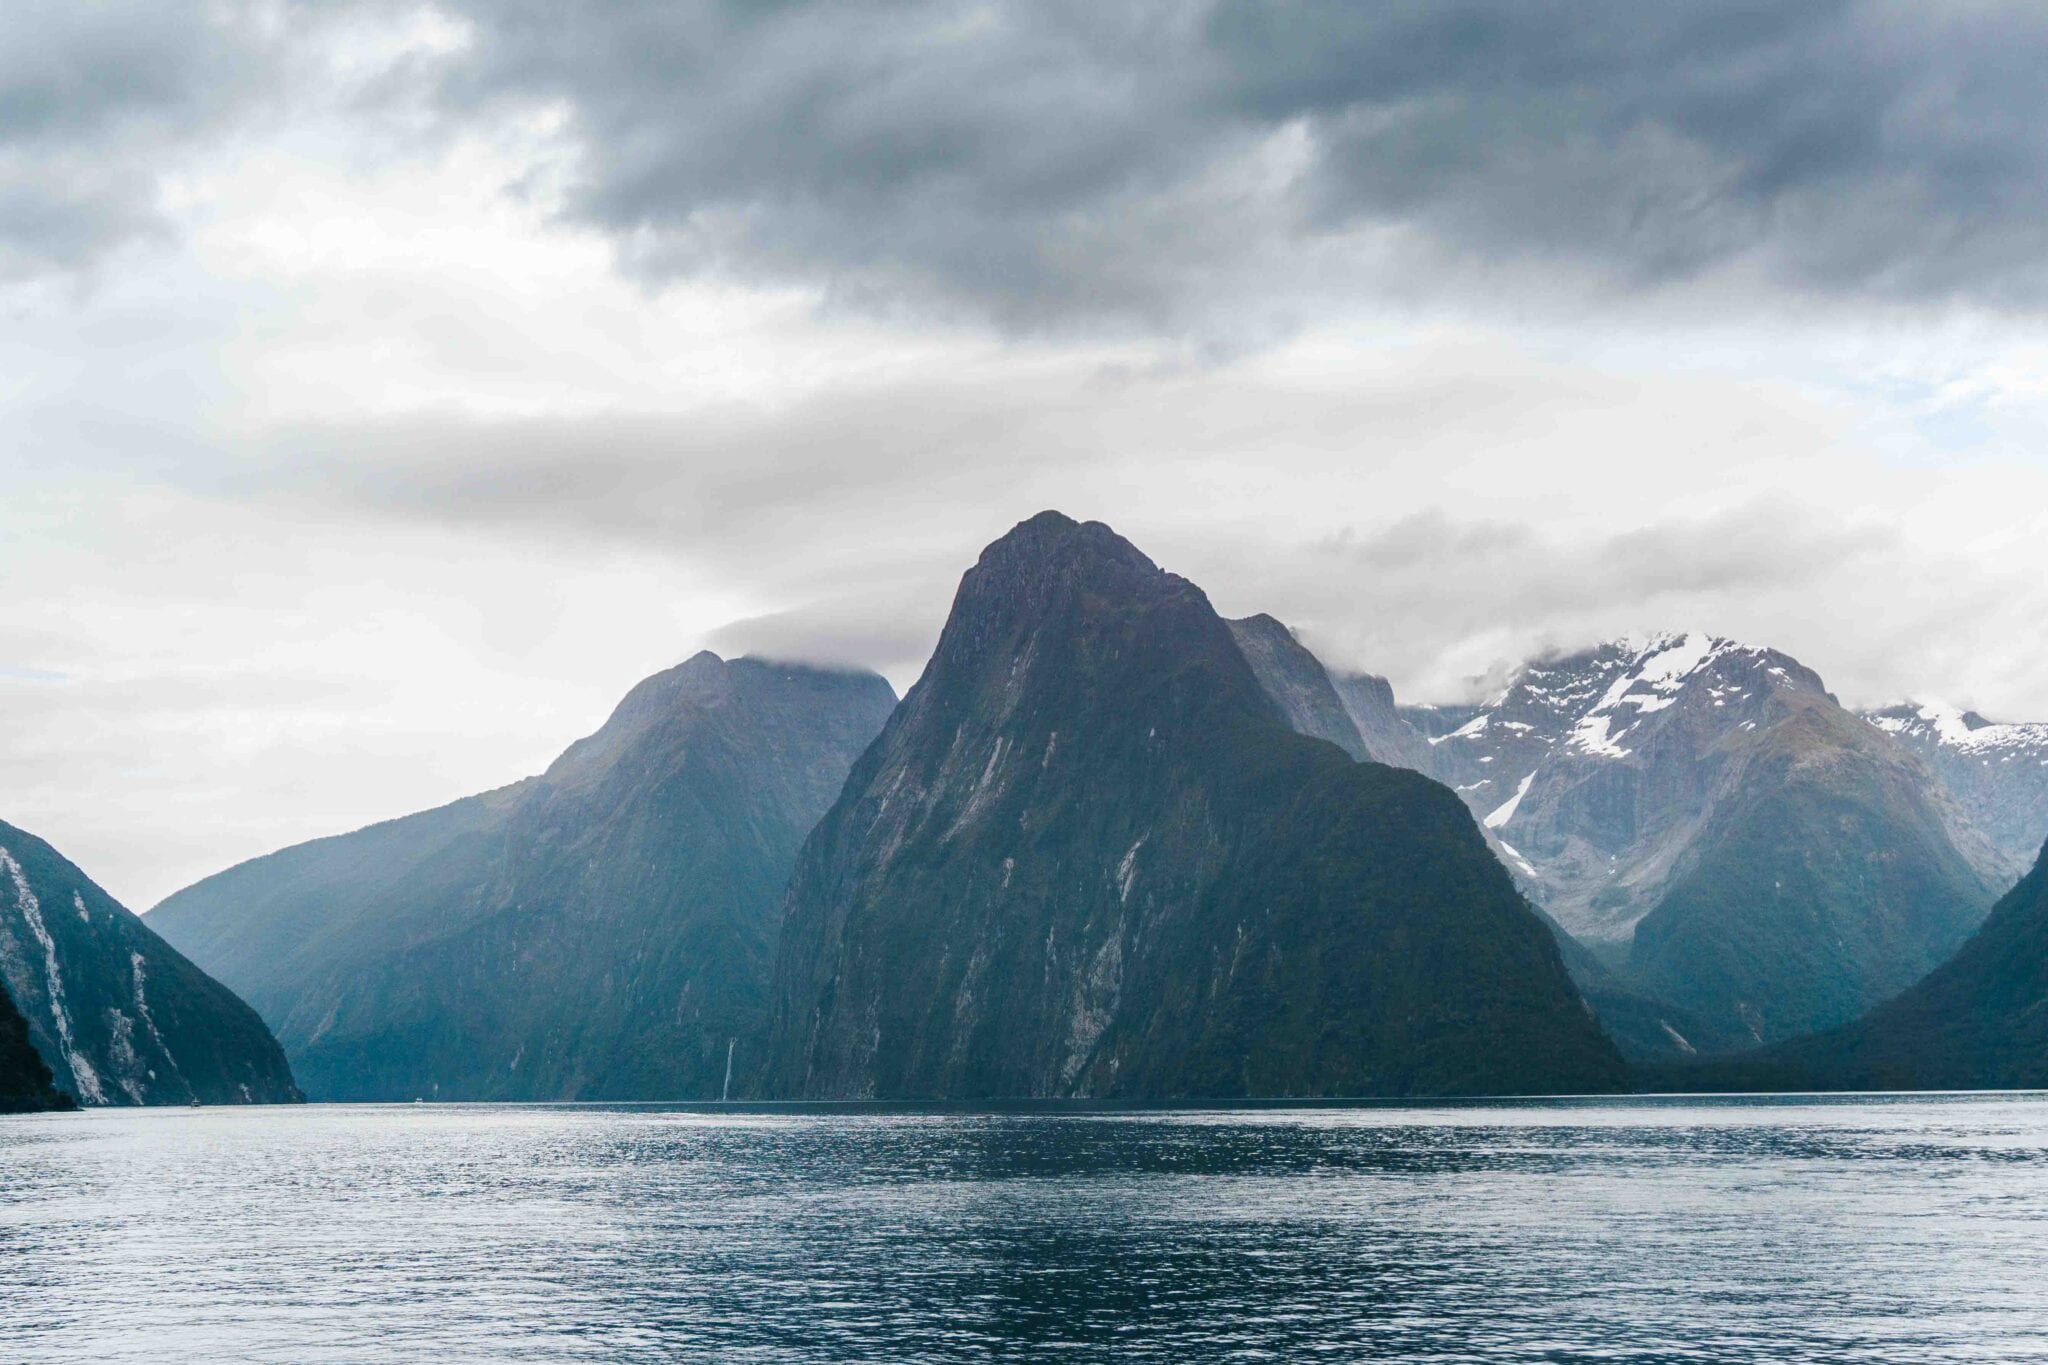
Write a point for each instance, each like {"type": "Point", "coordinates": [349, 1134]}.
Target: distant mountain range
{"type": "Point", "coordinates": [1113, 845]}
{"type": "Point", "coordinates": [1722, 832]}
{"type": "Point", "coordinates": [1734, 858]}
{"type": "Point", "coordinates": [115, 1013]}
{"type": "Point", "coordinates": [1088, 857]}
{"type": "Point", "coordinates": [602, 931]}
{"type": "Point", "coordinates": [1999, 773]}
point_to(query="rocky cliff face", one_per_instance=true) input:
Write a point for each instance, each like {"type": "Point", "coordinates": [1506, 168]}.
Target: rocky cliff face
{"type": "Point", "coordinates": [602, 931]}
{"type": "Point", "coordinates": [1388, 736]}
{"type": "Point", "coordinates": [118, 1015]}
{"type": "Point", "coordinates": [1297, 683]}
{"type": "Point", "coordinates": [1999, 773]}
{"type": "Point", "coordinates": [1354, 711]}
{"type": "Point", "coordinates": [1770, 862]}
{"type": "Point", "coordinates": [25, 1082]}
{"type": "Point", "coordinates": [1089, 856]}
{"type": "Point", "coordinates": [1733, 845]}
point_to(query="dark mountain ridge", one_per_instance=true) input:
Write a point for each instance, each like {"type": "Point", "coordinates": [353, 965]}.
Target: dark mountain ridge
{"type": "Point", "coordinates": [1088, 856]}
{"type": "Point", "coordinates": [26, 1085]}
{"type": "Point", "coordinates": [118, 1015]}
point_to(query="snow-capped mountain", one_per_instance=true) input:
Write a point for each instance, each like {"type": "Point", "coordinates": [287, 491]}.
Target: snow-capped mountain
{"type": "Point", "coordinates": [1600, 767]}
{"type": "Point", "coordinates": [1723, 829]}
{"type": "Point", "coordinates": [1488, 755]}
{"type": "Point", "coordinates": [1711, 820]}
{"type": "Point", "coordinates": [1998, 772]}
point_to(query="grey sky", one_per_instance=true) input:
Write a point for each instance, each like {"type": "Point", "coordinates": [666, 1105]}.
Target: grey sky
{"type": "Point", "coordinates": [389, 386]}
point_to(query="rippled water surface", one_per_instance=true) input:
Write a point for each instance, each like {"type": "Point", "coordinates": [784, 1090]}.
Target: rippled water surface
{"type": "Point", "coordinates": [1866, 1229]}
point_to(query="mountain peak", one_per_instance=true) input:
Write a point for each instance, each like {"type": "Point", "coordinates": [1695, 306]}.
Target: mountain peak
{"type": "Point", "coordinates": [1087, 855]}
{"type": "Point", "coordinates": [1054, 539]}
{"type": "Point", "coordinates": [1998, 771]}
{"type": "Point", "coordinates": [1952, 725]}
{"type": "Point", "coordinates": [701, 683]}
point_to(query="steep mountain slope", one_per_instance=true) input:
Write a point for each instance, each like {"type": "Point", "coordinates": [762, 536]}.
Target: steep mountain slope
{"type": "Point", "coordinates": [1354, 711]}
{"type": "Point", "coordinates": [25, 1082]}
{"type": "Point", "coordinates": [1388, 736]}
{"type": "Point", "coordinates": [1730, 838]}
{"type": "Point", "coordinates": [1979, 1021]}
{"type": "Point", "coordinates": [119, 1016]}
{"type": "Point", "coordinates": [1297, 683]}
{"type": "Point", "coordinates": [1088, 856]}
{"type": "Point", "coordinates": [1999, 773]}
{"type": "Point", "coordinates": [1486, 756]}
{"type": "Point", "coordinates": [1294, 679]}
{"type": "Point", "coordinates": [603, 931]}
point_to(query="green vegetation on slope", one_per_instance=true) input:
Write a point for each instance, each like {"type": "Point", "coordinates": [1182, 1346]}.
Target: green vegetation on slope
{"type": "Point", "coordinates": [25, 1084]}
{"type": "Point", "coordinates": [1826, 884]}
{"type": "Point", "coordinates": [1979, 1021]}
{"type": "Point", "coordinates": [1088, 856]}
{"type": "Point", "coordinates": [120, 1016]}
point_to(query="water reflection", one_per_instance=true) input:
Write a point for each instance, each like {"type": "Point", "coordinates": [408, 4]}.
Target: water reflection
{"type": "Point", "coordinates": [1874, 1229]}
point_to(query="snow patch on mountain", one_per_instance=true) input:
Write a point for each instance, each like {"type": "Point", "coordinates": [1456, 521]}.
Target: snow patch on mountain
{"type": "Point", "coordinates": [1960, 730]}
{"type": "Point", "coordinates": [1651, 682]}
{"type": "Point", "coordinates": [1506, 811]}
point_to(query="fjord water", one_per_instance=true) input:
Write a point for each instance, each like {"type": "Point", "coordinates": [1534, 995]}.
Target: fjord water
{"type": "Point", "coordinates": [1868, 1228]}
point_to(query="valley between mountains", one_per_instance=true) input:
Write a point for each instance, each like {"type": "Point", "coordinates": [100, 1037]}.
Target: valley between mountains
{"type": "Point", "coordinates": [1110, 845]}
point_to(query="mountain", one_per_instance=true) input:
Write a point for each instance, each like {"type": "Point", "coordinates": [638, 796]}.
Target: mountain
{"type": "Point", "coordinates": [1722, 832]}
{"type": "Point", "coordinates": [1979, 1021]}
{"type": "Point", "coordinates": [1088, 856]}
{"type": "Point", "coordinates": [1998, 772]}
{"type": "Point", "coordinates": [25, 1082]}
{"type": "Point", "coordinates": [602, 931]}
{"type": "Point", "coordinates": [1388, 736]}
{"type": "Point", "coordinates": [1297, 683]}
{"type": "Point", "coordinates": [119, 1016]}
{"type": "Point", "coordinates": [1354, 711]}
{"type": "Point", "coordinates": [1403, 737]}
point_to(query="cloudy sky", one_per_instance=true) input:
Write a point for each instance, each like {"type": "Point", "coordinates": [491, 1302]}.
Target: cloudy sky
{"type": "Point", "coordinates": [384, 388]}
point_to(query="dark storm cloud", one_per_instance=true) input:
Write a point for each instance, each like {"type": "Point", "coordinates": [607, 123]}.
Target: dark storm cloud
{"type": "Point", "coordinates": [97, 102]}
{"type": "Point", "coordinates": [1054, 162]}
{"type": "Point", "coordinates": [1142, 164]}
{"type": "Point", "coordinates": [1859, 147]}
{"type": "Point", "coordinates": [1011, 157]}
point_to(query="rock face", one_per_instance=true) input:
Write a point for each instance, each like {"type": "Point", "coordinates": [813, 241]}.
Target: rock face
{"type": "Point", "coordinates": [118, 1015]}
{"type": "Point", "coordinates": [1297, 683]}
{"type": "Point", "coordinates": [603, 931]}
{"type": "Point", "coordinates": [1354, 711]}
{"type": "Point", "coordinates": [1089, 857]}
{"type": "Point", "coordinates": [1389, 737]}
{"type": "Point", "coordinates": [1979, 1021]}
{"type": "Point", "coordinates": [25, 1082]}
{"type": "Point", "coordinates": [1770, 862]}
{"type": "Point", "coordinates": [1999, 773]}
{"type": "Point", "coordinates": [1745, 859]}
